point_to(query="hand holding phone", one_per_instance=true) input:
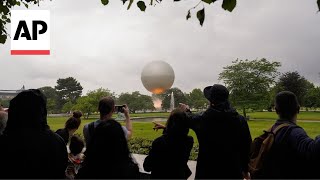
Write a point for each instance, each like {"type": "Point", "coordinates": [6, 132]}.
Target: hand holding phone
{"type": "Point", "coordinates": [119, 108]}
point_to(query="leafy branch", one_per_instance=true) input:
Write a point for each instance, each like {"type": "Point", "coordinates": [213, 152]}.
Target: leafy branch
{"type": "Point", "coordinates": [6, 5]}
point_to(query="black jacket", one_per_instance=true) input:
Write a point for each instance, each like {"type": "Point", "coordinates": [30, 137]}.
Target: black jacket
{"type": "Point", "coordinates": [28, 148]}
{"type": "Point", "coordinates": [64, 133]}
{"type": "Point", "coordinates": [293, 155]}
{"type": "Point", "coordinates": [168, 157]}
{"type": "Point", "coordinates": [32, 153]}
{"type": "Point", "coordinates": [224, 143]}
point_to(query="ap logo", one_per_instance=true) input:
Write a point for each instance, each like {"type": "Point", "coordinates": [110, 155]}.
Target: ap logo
{"type": "Point", "coordinates": [30, 32]}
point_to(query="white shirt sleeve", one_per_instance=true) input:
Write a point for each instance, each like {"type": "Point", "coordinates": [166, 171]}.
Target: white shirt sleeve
{"type": "Point", "coordinates": [125, 131]}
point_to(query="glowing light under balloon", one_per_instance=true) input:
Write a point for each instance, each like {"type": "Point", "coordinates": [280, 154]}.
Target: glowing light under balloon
{"type": "Point", "coordinates": [157, 77]}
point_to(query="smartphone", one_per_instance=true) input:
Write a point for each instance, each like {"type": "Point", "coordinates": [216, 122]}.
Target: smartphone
{"type": "Point", "coordinates": [119, 108]}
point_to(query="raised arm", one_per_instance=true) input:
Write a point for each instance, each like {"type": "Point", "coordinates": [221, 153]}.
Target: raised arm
{"type": "Point", "coordinates": [304, 145]}
{"type": "Point", "coordinates": [128, 123]}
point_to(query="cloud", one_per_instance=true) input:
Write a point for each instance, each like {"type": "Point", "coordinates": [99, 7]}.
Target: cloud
{"type": "Point", "coordinates": [107, 46]}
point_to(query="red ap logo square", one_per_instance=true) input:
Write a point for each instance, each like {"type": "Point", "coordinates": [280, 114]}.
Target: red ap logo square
{"type": "Point", "coordinates": [30, 32]}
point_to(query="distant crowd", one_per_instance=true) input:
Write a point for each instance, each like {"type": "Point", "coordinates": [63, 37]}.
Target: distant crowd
{"type": "Point", "coordinates": [29, 149]}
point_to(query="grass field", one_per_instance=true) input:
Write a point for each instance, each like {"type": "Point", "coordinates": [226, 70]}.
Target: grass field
{"type": "Point", "coordinates": [253, 115]}
{"type": "Point", "coordinates": [144, 129]}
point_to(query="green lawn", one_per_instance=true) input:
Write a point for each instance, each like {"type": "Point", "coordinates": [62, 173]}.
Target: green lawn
{"type": "Point", "coordinates": [144, 129]}
{"type": "Point", "coordinates": [272, 115]}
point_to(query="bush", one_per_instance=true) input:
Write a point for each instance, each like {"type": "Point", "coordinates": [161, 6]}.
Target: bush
{"type": "Point", "coordinates": [143, 146]}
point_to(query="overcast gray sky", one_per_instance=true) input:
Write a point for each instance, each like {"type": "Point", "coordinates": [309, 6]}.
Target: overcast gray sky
{"type": "Point", "coordinates": [107, 46]}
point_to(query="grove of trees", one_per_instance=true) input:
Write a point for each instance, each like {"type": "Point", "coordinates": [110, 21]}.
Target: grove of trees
{"type": "Point", "coordinates": [253, 85]}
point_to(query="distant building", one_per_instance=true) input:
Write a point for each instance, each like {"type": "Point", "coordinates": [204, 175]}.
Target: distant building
{"type": "Point", "coordinates": [9, 94]}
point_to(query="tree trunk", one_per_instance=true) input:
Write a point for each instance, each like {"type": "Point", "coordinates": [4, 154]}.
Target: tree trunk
{"type": "Point", "coordinates": [244, 113]}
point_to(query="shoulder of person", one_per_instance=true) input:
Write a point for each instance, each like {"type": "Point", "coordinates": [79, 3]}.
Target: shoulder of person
{"type": "Point", "coordinates": [56, 137]}
{"type": "Point", "coordinates": [190, 139]}
{"type": "Point", "coordinates": [86, 126]}
{"type": "Point", "coordinates": [159, 141]}
{"type": "Point", "coordinates": [296, 130]}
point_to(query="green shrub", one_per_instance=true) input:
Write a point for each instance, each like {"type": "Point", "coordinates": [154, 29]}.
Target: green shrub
{"type": "Point", "coordinates": [143, 146]}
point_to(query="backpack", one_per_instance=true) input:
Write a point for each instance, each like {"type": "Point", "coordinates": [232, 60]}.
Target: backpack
{"type": "Point", "coordinates": [91, 130]}
{"type": "Point", "coordinates": [260, 148]}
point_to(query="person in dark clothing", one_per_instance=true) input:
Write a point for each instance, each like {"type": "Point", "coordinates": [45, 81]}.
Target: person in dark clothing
{"type": "Point", "coordinates": [170, 153]}
{"type": "Point", "coordinates": [72, 124]}
{"type": "Point", "coordinates": [108, 155]}
{"type": "Point", "coordinates": [223, 135]}
{"type": "Point", "coordinates": [29, 149]}
{"type": "Point", "coordinates": [293, 154]}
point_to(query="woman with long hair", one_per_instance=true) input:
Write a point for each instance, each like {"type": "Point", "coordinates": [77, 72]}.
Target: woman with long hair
{"type": "Point", "coordinates": [170, 152]}
{"type": "Point", "coordinates": [108, 155]}
{"type": "Point", "coordinates": [71, 125]}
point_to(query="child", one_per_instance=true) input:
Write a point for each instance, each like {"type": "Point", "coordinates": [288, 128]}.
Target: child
{"type": "Point", "coordinates": [170, 152]}
{"type": "Point", "coordinates": [75, 156]}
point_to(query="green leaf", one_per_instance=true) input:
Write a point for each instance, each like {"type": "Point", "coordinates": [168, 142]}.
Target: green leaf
{"type": "Point", "coordinates": [141, 5]}
{"type": "Point", "coordinates": [188, 15]}
{"type": "Point", "coordinates": [3, 39]}
{"type": "Point", "coordinates": [105, 2]}
{"type": "Point", "coordinates": [201, 16]}
{"type": "Point", "coordinates": [229, 5]}
{"type": "Point", "coordinates": [18, 3]}
{"type": "Point", "coordinates": [130, 3]}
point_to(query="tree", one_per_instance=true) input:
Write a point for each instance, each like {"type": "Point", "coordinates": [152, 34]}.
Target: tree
{"type": "Point", "coordinates": [5, 102]}
{"type": "Point", "coordinates": [67, 107]}
{"type": "Point", "coordinates": [83, 104]}
{"type": "Point", "coordinates": [196, 99]}
{"type": "Point", "coordinates": [136, 101]}
{"type": "Point", "coordinates": [89, 103]}
{"type": "Point", "coordinates": [179, 97]}
{"type": "Point", "coordinates": [51, 95]}
{"type": "Point", "coordinates": [312, 98]}
{"type": "Point", "coordinates": [5, 7]}
{"type": "Point", "coordinates": [147, 103]}
{"type": "Point", "coordinates": [97, 94]}
{"type": "Point", "coordinates": [68, 89]}
{"type": "Point", "coordinates": [249, 82]}
{"type": "Point", "coordinates": [294, 82]}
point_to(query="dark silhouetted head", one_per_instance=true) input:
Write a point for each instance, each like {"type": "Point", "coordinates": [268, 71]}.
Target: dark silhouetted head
{"type": "Point", "coordinates": [76, 145]}
{"type": "Point", "coordinates": [28, 110]}
{"type": "Point", "coordinates": [177, 124]}
{"type": "Point", "coordinates": [287, 105]}
{"type": "Point", "coordinates": [74, 121]}
{"type": "Point", "coordinates": [216, 94]}
{"type": "Point", "coordinates": [106, 106]}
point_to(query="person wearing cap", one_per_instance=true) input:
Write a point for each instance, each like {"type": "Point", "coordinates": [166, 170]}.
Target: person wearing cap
{"type": "Point", "coordinates": [29, 149]}
{"type": "Point", "coordinates": [223, 135]}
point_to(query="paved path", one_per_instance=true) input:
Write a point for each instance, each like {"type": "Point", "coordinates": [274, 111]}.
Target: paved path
{"type": "Point", "coordinates": [140, 158]}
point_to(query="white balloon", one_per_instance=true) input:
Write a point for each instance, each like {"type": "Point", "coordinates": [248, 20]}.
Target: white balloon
{"type": "Point", "coordinates": [157, 77]}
